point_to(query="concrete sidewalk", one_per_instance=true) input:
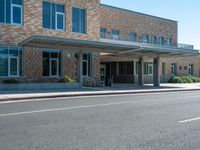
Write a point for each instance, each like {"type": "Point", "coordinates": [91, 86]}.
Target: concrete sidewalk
{"type": "Point", "coordinates": [86, 91]}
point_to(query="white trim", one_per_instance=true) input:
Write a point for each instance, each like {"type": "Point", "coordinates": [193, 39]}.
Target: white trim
{"type": "Point", "coordinates": [18, 6]}
{"type": "Point", "coordinates": [9, 73]}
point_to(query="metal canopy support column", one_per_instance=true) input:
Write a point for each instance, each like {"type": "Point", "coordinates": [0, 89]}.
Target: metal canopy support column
{"type": "Point", "coordinates": [80, 69]}
{"type": "Point", "coordinates": [156, 71]}
{"type": "Point", "coordinates": [141, 71]}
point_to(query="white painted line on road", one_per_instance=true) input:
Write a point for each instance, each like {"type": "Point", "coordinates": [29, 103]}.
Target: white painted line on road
{"type": "Point", "coordinates": [60, 109]}
{"type": "Point", "coordinates": [90, 106]}
{"type": "Point", "coordinates": [189, 120]}
{"type": "Point", "coordinates": [92, 96]}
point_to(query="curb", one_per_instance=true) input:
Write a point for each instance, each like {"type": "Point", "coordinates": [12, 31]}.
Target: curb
{"type": "Point", "coordinates": [95, 94]}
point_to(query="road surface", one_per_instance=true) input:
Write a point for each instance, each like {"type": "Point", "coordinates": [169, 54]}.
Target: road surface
{"type": "Point", "coordinates": [162, 121]}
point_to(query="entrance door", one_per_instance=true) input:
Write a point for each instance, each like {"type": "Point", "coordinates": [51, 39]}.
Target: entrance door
{"type": "Point", "coordinates": [54, 67]}
{"type": "Point", "coordinates": [13, 66]}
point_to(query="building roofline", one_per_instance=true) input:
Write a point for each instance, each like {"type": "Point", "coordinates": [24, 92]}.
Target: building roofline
{"type": "Point", "coordinates": [134, 12]}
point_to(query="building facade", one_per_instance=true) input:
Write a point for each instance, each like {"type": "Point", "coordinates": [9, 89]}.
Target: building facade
{"type": "Point", "coordinates": [44, 40]}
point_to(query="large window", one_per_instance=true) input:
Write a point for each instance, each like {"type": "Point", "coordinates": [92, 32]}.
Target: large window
{"type": "Point", "coordinates": [10, 61]}
{"type": "Point", "coordinates": [161, 40]}
{"type": "Point", "coordinates": [11, 11]}
{"type": "Point", "coordinates": [148, 68]}
{"type": "Point", "coordinates": [168, 41]}
{"type": "Point", "coordinates": [153, 39]}
{"type": "Point", "coordinates": [173, 69]}
{"type": "Point", "coordinates": [52, 63]}
{"type": "Point", "coordinates": [103, 32]}
{"type": "Point", "coordinates": [78, 20]}
{"type": "Point", "coordinates": [87, 64]}
{"type": "Point", "coordinates": [115, 34]}
{"type": "Point", "coordinates": [126, 68]}
{"type": "Point", "coordinates": [145, 38]}
{"type": "Point", "coordinates": [53, 16]}
{"type": "Point", "coordinates": [133, 36]}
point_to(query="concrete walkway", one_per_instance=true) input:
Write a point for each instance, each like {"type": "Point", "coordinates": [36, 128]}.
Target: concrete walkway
{"type": "Point", "coordinates": [90, 91]}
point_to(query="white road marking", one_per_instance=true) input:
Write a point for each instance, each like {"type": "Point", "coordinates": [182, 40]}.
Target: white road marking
{"type": "Point", "coordinates": [90, 106]}
{"type": "Point", "coordinates": [66, 108]}
{"type": "Point", "coordinates": [91, 96]}
{"type": "Point", "coordinates": [189, 120]}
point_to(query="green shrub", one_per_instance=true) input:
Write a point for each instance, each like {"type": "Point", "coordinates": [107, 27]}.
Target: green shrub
{"type": "Point", "coordinates": [184, 79]}
{"type": "Point", "coordinates": [68, 79]}
{"type": "Point", "coordinates": [10, 81]}
{"type": "Point", "coordinates": [176, 80]}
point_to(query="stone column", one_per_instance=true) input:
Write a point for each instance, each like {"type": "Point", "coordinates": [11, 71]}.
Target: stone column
{"type": "Point", "coordinates": [141, 71]}
{"type": "Point", "coordinates": [156, 71]}
{"type": "Point", "coordinates": [80, 69]}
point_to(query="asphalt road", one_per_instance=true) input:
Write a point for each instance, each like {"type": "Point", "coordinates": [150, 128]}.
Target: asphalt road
{"type": "Point", "coordinates": [165, 121]}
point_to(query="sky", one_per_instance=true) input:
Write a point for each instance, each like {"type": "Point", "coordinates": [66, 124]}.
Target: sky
{"type": "Point", "coordinates": [186, 12]}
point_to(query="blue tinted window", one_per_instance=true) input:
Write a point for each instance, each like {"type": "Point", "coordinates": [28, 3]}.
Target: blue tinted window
{"type": "Point", "coordinates": [60, 20]}
{"type": "Point", "coordinates": [2, 10]}
{"type": "Point", "coordinates": [75, 20]}
{"type": "Point", "coordinates": [60, 8]}
{"type": "Point", "coordinates": [46, 15]}
{"type": "Point", "coordinates": [82, 21]}
{"type": "Point", "coordinates": [17, 15]}
{"type": "Point", "coordinates": [102, 32]}
{"type": "Point", "coordinates": [7, 53]}
{"type": "Point", "coordinates": [18, 2]}
{"type": "Point", "coordinates": [8, 11]}
{"type": "Point", "coordinates": [11, 9]}
{"type": "Point", "coordinates": [132, 36]}
{"type": "Point", "coordinates": [79, 20]}
{"type": "Point", "coordinates": [51, 13]}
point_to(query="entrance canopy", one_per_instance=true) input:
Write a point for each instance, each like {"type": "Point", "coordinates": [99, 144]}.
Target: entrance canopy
{"type": "Point", "coordinates": [114, 47]}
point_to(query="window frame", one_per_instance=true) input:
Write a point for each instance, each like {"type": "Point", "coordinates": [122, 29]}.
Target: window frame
{"type": "Point", "coordinates": [51, 14]}
{"type": "Point", "coordinates": [88, 62]}
{"type": "Point", "coordinates": [56, 21]}
{"type": "Point", "coordinates": [50, 65]}
{"type": "Point", "coordinates": [161, 40]}
{"type": "Point", "coordinates": [11, 19]}
{"type": "Point", "coordinates": [173, 72]}
{"type": "Point", "coordinates": [133, 36]}
{"type": "Point", "coordinates": [146, 39]}
{"type": "Point", "coordinates": [103, 33]}
{"type": "Point", "coordinates": [115, 34]}
{"type": "Point", "coordinates": [9, 66]}
{"type": "Point", "coordinates": [12, 16]}
{"type": "Point", "coordinates": [59, 61]}
{"type": "Point", "coordinates": [147, 66]}
{"type": "Point", "coordinates": [19, 62]}
{"type": "Point", "coordinates": [80, 21]}
{"type": "Point", "coordinates": [191, 69]}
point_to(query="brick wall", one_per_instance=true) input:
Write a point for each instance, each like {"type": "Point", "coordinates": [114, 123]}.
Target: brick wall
{"type": "Point", "coordinates": [127, 22]}
{"type": "Point", "coordinates": [12, 35]}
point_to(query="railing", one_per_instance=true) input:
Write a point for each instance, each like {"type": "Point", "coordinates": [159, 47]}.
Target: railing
{"type": "Point", "coordinates": [131, 38]}
{"type": "Point", "coordinates": [185, 46]}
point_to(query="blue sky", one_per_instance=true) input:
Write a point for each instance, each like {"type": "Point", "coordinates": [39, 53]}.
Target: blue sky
{"type": "Point", "coordinates": [186, 12]}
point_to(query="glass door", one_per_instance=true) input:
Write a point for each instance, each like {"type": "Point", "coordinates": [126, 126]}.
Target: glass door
{"type": "Point", "coordinates": [54, 67]}
{"type": "Point", "coordinates": [13, 68]}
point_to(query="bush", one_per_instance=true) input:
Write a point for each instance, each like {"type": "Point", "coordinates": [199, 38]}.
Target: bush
{"type": "Point", "coordinates": [68, 79]}
{"type": "Point", "coordinates": [10, 81]}
{"type": "Point", "coordinates": [184, 79]}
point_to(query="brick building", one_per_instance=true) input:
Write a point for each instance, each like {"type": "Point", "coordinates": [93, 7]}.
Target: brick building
{"type": "Point", "coordinates": [43, 40]}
